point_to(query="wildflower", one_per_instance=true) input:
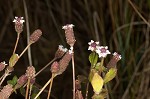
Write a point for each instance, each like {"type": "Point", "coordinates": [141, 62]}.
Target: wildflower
{"type": "Point", "coordinates": [18, 24]}
{"type": "Point", "coordinates": [60, 52]}
{"type": "Point", "coordinates": [112, 63]}
{"type": "Point", "coordinates": [35, 36]}
{"type": "Point", "coordinates": [55, 67]}
{"type": "Point", "coordinates": [69, 33]}
{"type": "Point", "coordinates": [2, 65]}
{"type": "Point", "coordinates": [93, 45]}
{"type": "Point", "coordinates": [63, 63]}
{"type": "Point", "coordinates": [6, 91]}
{"type": "Point", "coordinates": [30, 72]}
{"type": "Point", "coordinates": [102, 51]}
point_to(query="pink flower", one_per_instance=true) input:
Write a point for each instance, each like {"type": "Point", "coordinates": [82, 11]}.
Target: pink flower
{"type": "Point", "coordinates": [93, 45]}
{"type": "Point", "coordinates": [102, 51]}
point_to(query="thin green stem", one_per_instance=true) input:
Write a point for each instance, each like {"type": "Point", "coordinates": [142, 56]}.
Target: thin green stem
{"type": "Point", "coordinates": [18, 36]}
{"type": "Point", "coordinates": [45, 67]}
{"type": "Point", "coordinates": [25, 50]}
{"type": "Point", "coordinates": [43, 89]}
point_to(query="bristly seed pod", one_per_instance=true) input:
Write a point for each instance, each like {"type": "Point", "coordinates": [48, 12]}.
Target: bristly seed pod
{"type": "Point", "coordinates": [63, 63]}
{"type": "Point", "coordinates": [30, 72]}
{"type": "Point", "coordinates": [112, 63]}
{"type": "Point", "coordinates": [69, 33]}
{"type": "Point", "coordinates": [60, 52]}
{"type": "Point", "coordinates": [18, 24]}
{"type": "Point", "coordinates": [35, 36]}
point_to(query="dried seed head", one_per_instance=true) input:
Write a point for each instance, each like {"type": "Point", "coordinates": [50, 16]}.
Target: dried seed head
{"type": "Point", "coordinates": [60, 52]}
{"type": "Point", "coordinates": [6, 91]}
{"type": "Point", "coordinates": [69, 33]}
{"type": "Point", "coordinates": [63, 63]}
{"type": "Point", "coordinates": [112, 63]}
{"type": "Point", "coordinates": [35, 36]}
{"type": "Point", "coordinates": [78, 95]}
{"type": "Point", "coordinates": [55, 67]}
{"type": "Point", "coordinates": [22, 80]}
{"type": "Point", "coordinates": [2, 65]}
{"type": "Point", "coordinates": [30, 72]}
{"type": "Point", "coordinates": [18, 24]}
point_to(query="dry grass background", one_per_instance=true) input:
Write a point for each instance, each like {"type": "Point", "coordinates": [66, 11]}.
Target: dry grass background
{"type": "Point", "coordinates": [112, 22]}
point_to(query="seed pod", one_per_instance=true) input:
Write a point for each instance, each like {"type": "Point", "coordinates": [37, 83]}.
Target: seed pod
{"type": "Point", "coordinates": [35, 36]}
{"type": "Point", "coordinates": [69, 33]}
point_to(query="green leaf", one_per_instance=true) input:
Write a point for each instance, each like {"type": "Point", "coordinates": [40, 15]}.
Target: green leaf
{"type": "Point", "coordinates": [13, 81]}
{"type": "Point", "coordinates": [97, 83]}
{"type": "Point", "coordinates": [110, 75]}
{"type": "Point", "coordinates": [13, 59]}
{"type": "Point", "coordinates": [93, 58]}
{"type": "Point", "coordinates": [92, 72]}
{"type": "Point", "coordinates": [22, 91]}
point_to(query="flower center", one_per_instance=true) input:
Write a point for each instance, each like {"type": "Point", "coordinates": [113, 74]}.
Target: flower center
{"type": "Point", "coordinates": [93, 45]}
{"type": "Point", "coordinates": [103, 50]}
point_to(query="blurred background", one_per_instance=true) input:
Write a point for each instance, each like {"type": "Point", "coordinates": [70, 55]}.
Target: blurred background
{"type": "Point", "coordinates": [121, 25]}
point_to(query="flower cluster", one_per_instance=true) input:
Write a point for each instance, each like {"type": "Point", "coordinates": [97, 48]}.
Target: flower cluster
{"type": "Point", "coordinates": [102, 51]}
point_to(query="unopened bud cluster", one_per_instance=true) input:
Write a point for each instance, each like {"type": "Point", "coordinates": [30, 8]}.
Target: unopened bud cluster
{"type": "Point", "coordinates": [18, 24]}
{"type": "Point", "coordinates": [6, 92]}
{"type": "Point", "coordinates": [60, 52]}
{"type": "Point", "coordinates": [30, 72]}
{"type": "Point", "coordinates": [34, 37]}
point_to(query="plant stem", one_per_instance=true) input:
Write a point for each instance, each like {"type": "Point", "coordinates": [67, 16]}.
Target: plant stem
{"type": "Point", "coordinates": [43, 89]}
{"type": "Point", "coordinates": [87, 90]}
{"type": "Point", "coordinates": [27, 90]}
{"type": "Point", "coordinates": [25, 49]}
{"type": "Point", "coordinates": [73, 76]}
{"type": "Point", "coordinates": [4, 76]}
{"type": "Point", "coordinates": [50, 87]}
{"type": "Point", "coordinates": [45, 66]}
{"type": "Point", "coordinates": [18, 35]}
{"type": "Point", "coordinates": [30, 90]}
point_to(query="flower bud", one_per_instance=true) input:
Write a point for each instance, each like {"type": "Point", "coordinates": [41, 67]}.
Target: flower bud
{"type": "Point", "coordinates": [6, 91]}
{"type": "Point", "coordinates": [35, 36]}
{"type": "Point", "coordinates": [60, 52]}
{"type": "Point", "coordinates": [30, 72]}
{"type": "Point", "coordinates": [55, 67]}
{"type": "Point", "coordinates": [18, 24]}
{"type": "Point", "coordinates": [2, 65]}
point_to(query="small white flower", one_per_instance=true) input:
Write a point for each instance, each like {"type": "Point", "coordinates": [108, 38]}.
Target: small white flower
{"type": "Point", "coordinates": [19, 20]}
{"type": "Point", "coordinates": [93, 45]}
{"type": "Point", "coordinates": [102, 51]}
{"type": "Point", "coordinates": [4, 63]}
{"type": "Point", "coordinates": [68, 26]}
{"type": "Point", "coordinates": [62, 48]}
{"type": "Point", "coordinates": [117, 56]}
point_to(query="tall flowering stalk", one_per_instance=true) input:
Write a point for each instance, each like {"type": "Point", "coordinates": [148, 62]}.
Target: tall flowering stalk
{"type": "Point", "coordinates": [99, 74]}
{"type": "Point", "coordinates": [19, 28]}
{"type": "Point", "coordinates": [70, 38]}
